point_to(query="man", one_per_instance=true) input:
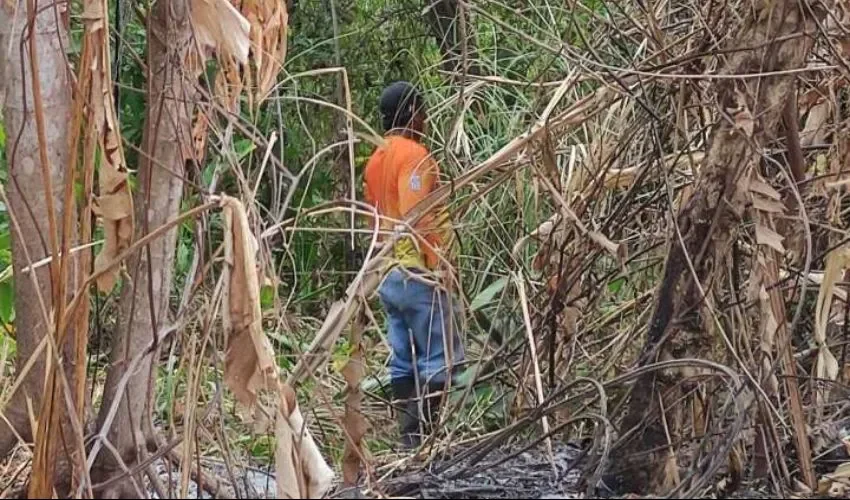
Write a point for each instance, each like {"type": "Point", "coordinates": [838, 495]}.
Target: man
{"type": "Point", "coordinates": [422, 332]}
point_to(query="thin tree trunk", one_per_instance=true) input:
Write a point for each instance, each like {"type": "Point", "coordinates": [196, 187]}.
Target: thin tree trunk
{"type": "Point", "coordinates": [29, 205]}
{"type": "Point", "coordinates": [750, 110]}
{"type": "Point", "coordinates": [144, 305]}
{"type": "Point", "coordinates": [445, 24]}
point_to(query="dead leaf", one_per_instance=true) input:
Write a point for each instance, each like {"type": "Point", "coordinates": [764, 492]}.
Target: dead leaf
{"type": "Point", "coordinates": [671, 477]}
{"type": "Point", "coordinates": [218, 26]}
{"type": "Point", "coordinates": [816, 125]}
{"type": "Point", "coordinates": [113, 207]}
{"type": "Point", "coordinates": [114, 203]}
{"type": "Point", "coordinates": [769, 206]}
{"type": "Point", "coordinates": [105, 281]}
{"type": "Point", "coordinates": [300, 469]}
{"type": "Point", "coordinates": [759, 186]}
{"type": "Point", "coordinates": [769, 237]}
{"type": "Point", "coordinates": [249, 363]}
{"type": "Point", "coordinates": [301, 472]}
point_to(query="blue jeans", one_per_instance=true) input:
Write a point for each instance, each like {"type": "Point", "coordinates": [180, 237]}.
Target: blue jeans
{"type": "Point", "coordinates": [422, 313]}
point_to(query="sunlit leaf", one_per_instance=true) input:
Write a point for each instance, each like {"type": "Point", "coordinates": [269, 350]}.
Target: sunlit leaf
{"type": "Point", "coordinates": [486, 296]}
{"type": "Point", "coordinates": [7, 302]}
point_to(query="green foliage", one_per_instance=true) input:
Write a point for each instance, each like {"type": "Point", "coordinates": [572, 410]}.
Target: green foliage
{"type": "Point", "coordinates": [7, 299]}
{"type": "Point", "coordinates": [486, 296]}
{"type": "Point", "coordinates": [263, 447]}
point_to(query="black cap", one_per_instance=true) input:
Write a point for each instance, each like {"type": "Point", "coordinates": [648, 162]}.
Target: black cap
{"type": "Point", "coordinates": [399, 102]}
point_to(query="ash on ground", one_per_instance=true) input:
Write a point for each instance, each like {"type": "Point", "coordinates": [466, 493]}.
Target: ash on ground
{"type": "Point", "coordinates": [251, 483]}
{"type": "Point", "coordinates": [529, 474]}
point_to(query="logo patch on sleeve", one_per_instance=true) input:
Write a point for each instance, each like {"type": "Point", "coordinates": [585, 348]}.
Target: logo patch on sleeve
{"type": "Point", "coordinates": [415, 182]}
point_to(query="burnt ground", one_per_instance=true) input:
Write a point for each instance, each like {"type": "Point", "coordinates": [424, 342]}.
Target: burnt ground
{"type": "Point", "coordinates": [510, 473]}
{"type": "Point", "coordinates": [501, 473]}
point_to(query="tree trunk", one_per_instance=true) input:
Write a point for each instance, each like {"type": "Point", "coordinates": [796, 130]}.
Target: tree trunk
{"type": "Point", "coordinates": [750, 110]}
{"type": "Point", "coordinates": [144, 305]}
{"type": "Point", "coordinates": [28, 204]}
{"type": "Point", "coordinates": [446, 26]}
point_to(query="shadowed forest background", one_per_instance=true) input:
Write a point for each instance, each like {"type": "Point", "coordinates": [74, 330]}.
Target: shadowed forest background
{"type": "Point", "coordinates": [649, 201]}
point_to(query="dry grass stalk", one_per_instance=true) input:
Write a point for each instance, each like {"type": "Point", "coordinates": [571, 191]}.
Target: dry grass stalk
{"type": "Point", "coordinates": [826, 367]}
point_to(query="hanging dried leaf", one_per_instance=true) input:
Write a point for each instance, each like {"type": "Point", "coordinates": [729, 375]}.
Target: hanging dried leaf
{"type": "Point", "coordinates": [300, 469]}
{"type": "Point", "coordinates": [249, 362]}
{"type": "Point", "coordinates": [269, 22]}
{"type": "Point", "coordinates": [767, 340]}
{"type": "Point", "coordinates": [219, 27]}
{"type": "Point", "coordinates": [114, 205]}
{"type": "Point", "coordinates": [301, 472]}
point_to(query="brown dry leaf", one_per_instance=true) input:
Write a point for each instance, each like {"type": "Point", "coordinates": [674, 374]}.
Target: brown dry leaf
{"type": "Point", "coordinates": [761, 187]}
{"type": "Point", "coordinates": [114, 205]}
{"type": "Point", "coordinates": [301, 471]}
{"type": "Point", "coordinates": [269, 21]}
{"type": "Point", "coordinates": [671, 477]}
{"type": "Point", "coordinates": [221, 28]}
{"type": "Point", "coordinates": [352, 372]}
{"type": "Point", "coordinates": [199, 134]}
{"type": "Point", "coordinates": [769, 237]}
{"type": "Point", "coordinates": [769, 206]}
{"type": "Point", "coordinates": [836, 263]}
{"type": "Point", "coordinates": [769, 327]}
{"type": "Point", "coordinates": [249, 361]}
{"type": "Point", "coordinates": [816, 126]}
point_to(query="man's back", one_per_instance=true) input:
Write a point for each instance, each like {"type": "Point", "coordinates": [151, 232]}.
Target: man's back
{"type": "Point", "coordinates": [398, 176]}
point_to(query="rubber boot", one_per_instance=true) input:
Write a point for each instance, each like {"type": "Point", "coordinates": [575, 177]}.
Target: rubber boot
{"type": "Point", "coordinates": [404, 404]}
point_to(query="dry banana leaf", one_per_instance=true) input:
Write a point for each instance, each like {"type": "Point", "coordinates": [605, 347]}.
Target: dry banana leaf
{"type": "Point", "coordinates": [301, 472]}
{"type": "Point", "coordinates": [114, 205]}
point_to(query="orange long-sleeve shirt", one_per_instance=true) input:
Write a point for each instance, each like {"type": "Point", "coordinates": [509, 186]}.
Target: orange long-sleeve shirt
{"type": "Point", "coordinates": [399, 175]}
